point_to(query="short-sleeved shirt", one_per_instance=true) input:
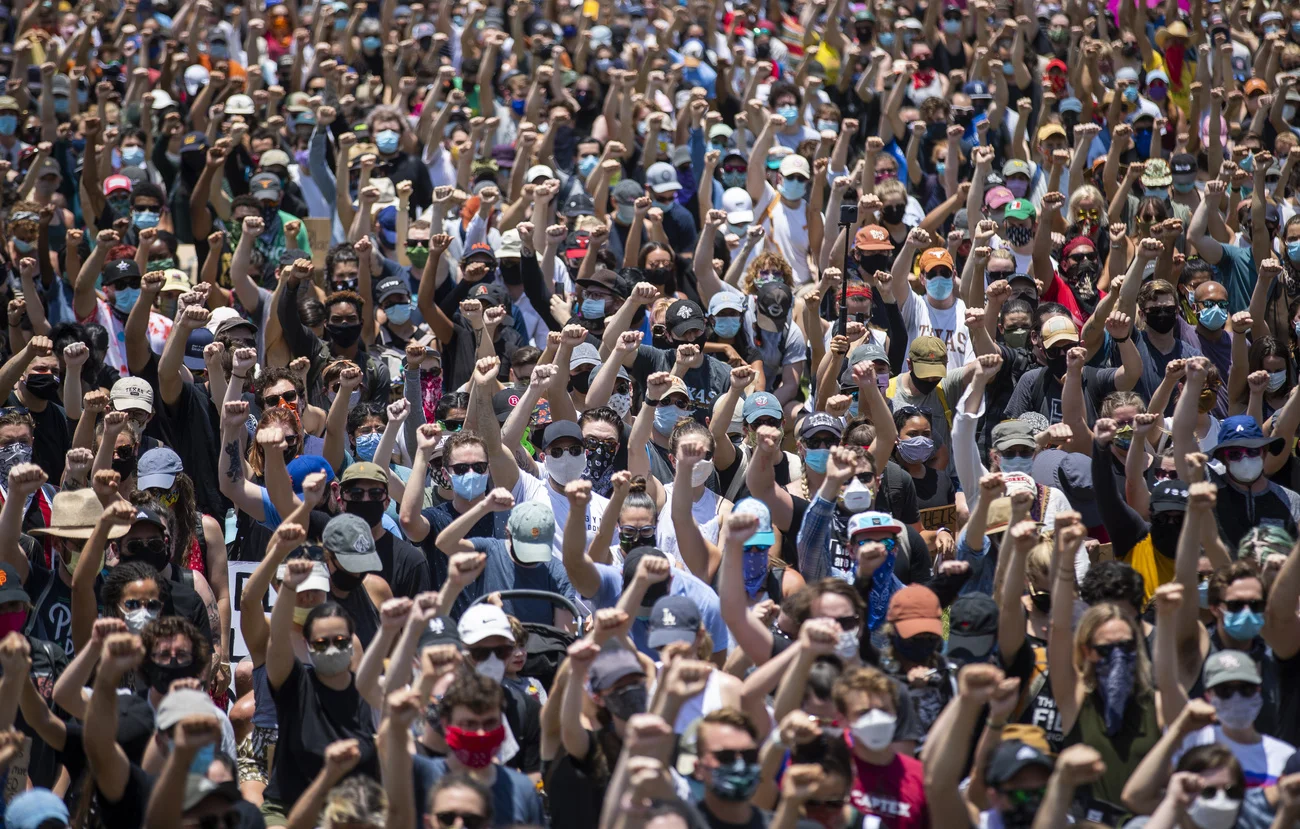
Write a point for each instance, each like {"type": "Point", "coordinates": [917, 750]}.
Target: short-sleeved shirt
{"type": "Point", "coordinates": [1037, 392]}
{"type": "Point", "coordinates": [892, 796]}
{"type": "Point", "coordinates": [948, 324]}
{"type": "Point", "coordinates": [504, 573]}
{"type": "Point", "coordinates": [440, 516]}
{"type": "Point", "coordinates": [681, 584]}
{"type": "Point", "coordinates": [515, 801]}
{"type": "Point", "coordinates": [404, 567]}
{"type": "Point", "coordinates": [1236, 273]}
{"type": "Point", "coordinates": [704, 383]}
{"type": "Point", "coordinates": [1262, 762]}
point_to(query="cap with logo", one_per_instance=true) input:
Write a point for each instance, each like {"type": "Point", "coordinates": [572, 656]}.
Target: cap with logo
{"type": "Point", "coordinates": [795, 165]}
{"type": "Point", "coordinates": [763, 535]}
{"type": "Point", "coordinates": [440, 630]}
{"type": "Point", "coordinates": [1013, 756]}
{"type": "Point", "coordinates": [490, 295]}
{"type": "Point", "coordinates": [1021, 209]}
{"type": "Point", "coordinates": [119, 270]}
{"type": "Point", "coordinates": [11, 587]}
{"type": "Point", "coordinates": [873, 521]}
{"type": "Point", "coordinates": [1243, 431]}
{"type": "Point", "coordinates": [928, 357]}
{"type": "Point", "coordinates": [774, 300]}
{"type": "Point", "coordinates": [1169, 496]}
{"type": "Point", "coordinates": [872, 239]}
{"type": "Point", "coordinates": [673, 619]}
{"type": "Point", "coordinates": [116, 183]}
{"type": "Point", "coordinates": [684, 315]}
{"type": "Point", "coordinates": [532, 528]}
{"type": "Point", "coordinates": [872, 352]}
{"type": "Point", "coordinates": [131, 393]}
{"type": "Point", "coordinates": [762, 404]}
{"type": "Point", "coordinates": [820, 422]}
{"type": "Point", "coordinates": [662, 178]}
{"type": "Point", "coordinates": [998, 196]}
{"type": "Point", "coordinates": [936, 258]}
{"type": "Point", "coordinates": [1231, 666]}
{"type": "Point", "coordinates": [1059, 329]}
{"type": "Point", "coordinates": [265, 187]}
{"type": "Point", "coordinates": [483, 621]}
{"type": "Point", "coordinates": [364, 471]}
{"type": "Point", "coordinates": [504, 402]}
{"type": "Point", "coordinates": [348, 537]}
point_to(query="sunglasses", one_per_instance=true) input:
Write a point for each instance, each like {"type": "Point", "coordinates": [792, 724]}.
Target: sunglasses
{"type": "Point", "coordinates": [1237, 605]}
{"type": "Point", "coordinates": [1024, 797]}
{"type": "Point", "coordinates": [863, 477]}
{"type": "Point", "coordinates": [124, 452]}
{"type": "Point", "coordinates": [1017, 452]}
{"type": "Point", "coordinates": [735, 168]}
{"type": "Point", "coordinates": [822, 443]}
{"type": "Point", "coordinates": [1236, 453]}
{"type": "Point", "coordinates": [729, 756]}
{"type": "Point", "coordinates": [139, 546]}
{"type": "Point", "coordinates": [994, 276]}
{"type": "Point", "coordinates": [1164, 474]}
{"type": "Point", "coordinates": [1233, 792]}
{"type": "Point", "coordinates": [913, 411]}
{"type": "Point", "coordinates": [377, 493]}
{"type": "Point", "coordinates": [151, 605]}
{"type": "Point", "coordinates": [1083, 257]}
{"type": "Point", "coordinates": [463, 468]}
{"type": "Point", "coordinates": [467, 819]}
{"type": "Point", "coordinates": [594, 444]}
{"type": "Point", "coordinates": [558, 452]}
{"type": "Point", "coordinates": [273, 400]}
{"type": "Point", "coordinates": [502, 652]}
{"type": "Point", "coordinates": [628, 533]}
{"type": "Point", "coordinates": [1127, 646]}
{"type": "Point", "coordinates": [323, 644]}
{"type": "Point", "coordinates": [849, 622]}
{"type": "Point", "coordinates": [755, 549]}
{"type": "Point", "coordinates": [1226, 690]}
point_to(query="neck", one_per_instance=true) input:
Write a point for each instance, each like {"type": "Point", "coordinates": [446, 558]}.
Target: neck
{"type": "Point", "coordinates": [404, 330]}
{"type": "Point", "coordinates": [30, 401]}
{"type": "Point", "coordinates": [1258, 485]}
{"type": "Point", "coordinates": [486, 775]}
{"type": "Point", "coordinates": [377, 531]}
{"type": "Point", "coordinates": [1211, 334]}
{"type": "Point", "coordinates": [943, 304]}
{"type": "Point", "coordinates": [659, 440]}
{"type": "Point", "coordinates": [350, 351]}
{"type": "Point", "coordinates": [338, 682]}
{"type": "Point", "coordinates": [728, 811]}
{"type": "Point", "coordinates": [515, 291]}
{"type": "Point", "coordinates": [791, 203]}
{"type": "Point", "coordinates": [1231, 642]}
{"type": "Point", "coordinates": [1163, 342]}
{"type": "Point", "coordinates": [1247, 735]}
{"type": "Point", "coordinates": [464, 505]}
{"type": "Point", "coordinates": [916, 470]}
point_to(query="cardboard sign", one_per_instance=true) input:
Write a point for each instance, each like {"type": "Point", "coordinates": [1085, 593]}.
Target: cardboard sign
{"type": "Point", "coordinates": [318, 237]}
{"type": "Point", "coordinates": [239, 572]}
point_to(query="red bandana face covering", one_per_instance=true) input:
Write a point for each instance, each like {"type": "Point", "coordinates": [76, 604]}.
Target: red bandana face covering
{"type": "Point", "coordinates": [472, 749]}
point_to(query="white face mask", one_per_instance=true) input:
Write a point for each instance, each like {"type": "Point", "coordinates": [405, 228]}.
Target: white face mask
{"type": "Point", "coordinates": [566, 468]}
{"type": "Point", "coordinates": [874, 729]}
{"type": "Point", "coordinates": [1218, 812]}
{"type": "Point", "coordinates": [858, 497]}
{"type": "Point", "coordinates": [492, 668]}
{"type": "Point", "coordinates": [138, 618]}
{"type": "Point", "coordinates": [848, 647]}
{"type": "Point", "coordinates": [621, 403]}
{"type": "Point", "coordinates": [1276, 379]}
{"type": "Point", "coordinates": [701, 472]}
{"type": "Point", "coordinates": [1247, 470]}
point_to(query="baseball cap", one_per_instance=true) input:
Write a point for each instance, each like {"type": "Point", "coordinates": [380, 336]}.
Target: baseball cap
{"type": "Point", "coordinates": [364, 471]}
{"type": "Point", "coordinates": [630, 563]}
{"type": "Point", "coordinates": [440, 630]}
{"type": "Point", "coordinates": [198, 339]}
{"type": "Point", "coordinates": [627, 191]}
{"type": "Point", "coordinates": [612, 664]}
{"type": "Point", "coordinates": [112, 184]}
{"type": "Point", "coordinates": [585, 354]}
{"type": "Point", "coordinates": [763, 535]}
{"type": "Point", "coordinates": [915, 609]}
{"type": "Point", "coordinates": [972, 628]}
{"type": "Point", "coordinates": [673, 619]}
{"type": "Point", "coordinates": [158, 468]}
{"type": "Point", "coordinates": [178, 280]}
{"type": "Point", "coordinates": [720, 131]}
{"type": "Point", "coordinates": [872, 238]}
{"type": "Point", "coordinates": [1021, 209]}
{"type": "Point", "coordinates": [510, 246]}
{"type": "Point", "coordinates": [1011, 757]}
{"type": "Point", "coordinates": [178, 705]}
{"type": "Point", "coordinates": [773, 301]}
{"type": "Point", "coordinates": [1016, 167]}
{"type": "Point", "coordinates": [928, 357]}
{"type": "Point", "coordinates": [265, 186]}
{"type": "Point", "coordinates": [1046, 131]}
{"type": "Point", "coordinates": [998, 196]}
{"type": "Point", "coordinates": [317, 579]}
{"type": "Point", "coordinates": [274, 158]}
{"type": "Point", "coordinates": [662, 178]}
{"type": "Point", "coordinates": [684, 315]}
{"type": "Point", "coordinates": [199, 788]}
{"type": "Point", "coordinates": [725, 301]}
{"type": "Point", "coordinates": [481, 621]}
{"type": "Point", "coordinates": [1169, 496]}
{"type": "Point", "coordinates": [559, 429]}
{"type": "Point", "coordinates": [11, 587]}
{"type": "Point", "coordinates": [762, 404]}
{"type": "Point", "coordinates": [580, 204]}
{"type": "Point", "coordinates": [391, 286]}
{"type": "Point", "coordinates": [795, 165]}
{"type": "Point", "coordinates": [1011, 433]}
{"type": "Point", "coordinates": [118, 270]}
{"type": "Point", "coordinates": [680, 155]}
{"type": "Point", "coordinates": [538, 171]}
{"type": "Point", "coordinates": [239, 105]}
{"type": "Point", "coordinates": [821, 422]}
{"type": "Point", "coordinates": [34, 807]}
{"type": "Point", "coordinates": [1231, 666]}
{"type": "Point", "coordinates": [229, 322]}
{"type": "Point", "coordinates": [872, 520]}
{"type": "Point", "coordinates": [504, 402]}
{"type": "Point", "coordinates": [1157, 174]}
{"type": "Point", "coordinates": [490, 294]}
{"type": "Point", "coordinates": [738, 204]}
{"type": "Point", "coordinates": [532, 528]}
{"type": "Point", "coordinates": [1070, 105]}
{"type": "Point", "coordinates": [194, 142]}
{"type": "Point", "coordinates": [935, 258]}
{"type": "Point", "coordinates": [479, 249]}
{"type": "Point", "coordinates": [1255, 84]}
{"type": "Point", "coordinates": [348, 537]}
{"type": "Point", "coordinates": [1059, 329]}
{"type": "Point", "coordinates": [131, 393]}
{"type": "Point", "coordinates": [977, 90]}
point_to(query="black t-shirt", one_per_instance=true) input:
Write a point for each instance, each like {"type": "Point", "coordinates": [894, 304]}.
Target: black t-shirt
{"type": "Point", "coordinates": [524, 713]}
{"type": "Point", "coordinates": [189, 427]}
{"type": "Point", "coordinates": [492, 525]}
{"type": "Point", "coordinates": [51, 614]}
{"type": "Point", "coordinates": [187, 604]}
{"type": "Point", "coordinates": [365, 616]}
{"type": "Point", "coordinates": [48, 663]}
{"type": "Point", "coordinates": [128, 811]}
{"type": "Point", "coordinates": [1038, 706]}
{"type": "Point", "coordinates": [705, 382]}
{"type": "Point", "coordinates": [311, 716]}
{"type": "Point", "coordinates": [936, 499]}
{"type": "Point", "coordinates": [899, 491]}
{"type": "Point", "coordinates": [52, 438]}
{"type": "Point", "coordinates": [405, 568]}
{"type": "Point", "coordinates": [575, 786]}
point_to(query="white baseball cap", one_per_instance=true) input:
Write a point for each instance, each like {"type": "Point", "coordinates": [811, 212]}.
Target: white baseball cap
{"type": "Point", "coordinates": [481, 621]}
{"type": "Point", "coordinates": [739, 206]}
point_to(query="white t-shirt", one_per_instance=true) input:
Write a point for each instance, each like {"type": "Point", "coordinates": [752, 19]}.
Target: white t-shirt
{"type": "Point", "coordinates": [786, 231]}
{"type": "Point", "coordinates": [539, 489]}
{"type": "Point", "coordinates": [1261, 762]}
{"type": "Point", "coordinates": [948, 324]}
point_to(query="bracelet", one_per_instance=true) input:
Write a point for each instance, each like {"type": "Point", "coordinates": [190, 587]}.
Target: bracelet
{"type": "Point", "coordinates": [240, 376]}
{"type": "Point", "coordinates": [1124, 340]}
{"type": "Point", "coordinates": [652, 403]}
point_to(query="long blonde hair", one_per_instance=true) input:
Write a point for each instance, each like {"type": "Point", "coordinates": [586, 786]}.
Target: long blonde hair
{"type": "Point", "coordinates": [1094, 618]}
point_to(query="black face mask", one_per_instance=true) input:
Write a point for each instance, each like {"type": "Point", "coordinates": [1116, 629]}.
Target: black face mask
{"type": "Point", "coordinates": [1056, 365]}
{"type": "Point", "coordinates": [161, 675]}
{"type": "Point", "coordinates": [372, 512]}
{"type": "Point", "coordinates": [152, 552]}
{"type": "Point", "coordinates": [1042, 601]}
{"type": "Point", "coordinates": [872, 262]}
{"type": "Point", "coordinates": [44, 386]}
{"type": "Point", "coordinates": [1164, 537]}
{"type": "Point", "coordinates": [344, 580]}
{"type": "Point", "coordinates": [124, 466]}
{"type": "Point", "coordinates": [924, 386]}
{"type": "Point", "coordinates": [658, 276]}
{"type": "Point", "coordinates": [893, 213]}
{"type": "Point", "coordinates": [512, 272]}
{"type": "Point", "coordinates": [343, 336]}
{"type": "Point", "coordinates": [1161, 320]}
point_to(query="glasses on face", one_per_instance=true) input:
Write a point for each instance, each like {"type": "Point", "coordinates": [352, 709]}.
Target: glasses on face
{"type": "Point", "coordinates": [1237, 605]}
{"type": "Point", "coordinates": [827, 442]}
{"type": "Point", "coordinates": [175, 658]}
{"type": "Point", "coordinates": [358, 493]}
{"type": "Point", "coordinates": [151, 605]}
{"type": "Point", "coordinates": [558, 452]}
{"type": "Point", "coordinates": [324, 643]}
{"type": "Point", "coordinates": [994, 276]}
{"type": "Point", "coordinates": [630, 533]}
{"type": "Point", "coordinates": [124, 452]}
{"type": "Point", "coordinates": [1088, 215]}
{"type": "Point", "coordinates": [1059, 352]}
{"type": "Point", "coordinates": [594, 444]}
{"type": "Point", "coordinates": [273, 400]}
{"type": "Point", "coordinates": [677, 400]}
{"type": "Point", "coordinates": [1017, 452]}
{"type": "Point", "coordinates": [1232, 792]}
{"type": "Point", "coordinates": [1165, 474]}
{"type": "Point", "coordinates": [1024, 797]}
{"type": "Point", "coordinates": [465, 468]}
{"type": "Point", "coordinates": [774, 422]}
{"type": "Point", "coordinates": [849, 622]}
{"type": "Point", "coordinates": [1226, 690]}
{"type": "Point", "coordinates": [1213, 303]}
{"type": "Point", "coordinates": [446, 820]}
{"type": "Point", "coordinates": [735, 168]}
{"type": "Point", "coordinates": [1236, 453]}
{"type": "Point", "coordinates": [141, 547]}
{"type": "Point", "coordinates": [502, 652]}
{"type": "Point", "coordinates": [729, 756]}
{"type": "Point", "coordinates": [1083, 257]}
{"type": "Point", "coordinates": [864, 478]}
{"type": "Point", "coordinates": [1126, 646]}
{"type": "Point", "coordinates": [453, 425]}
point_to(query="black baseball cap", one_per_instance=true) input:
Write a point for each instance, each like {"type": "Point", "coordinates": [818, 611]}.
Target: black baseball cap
{"type": "Point", "coordinates": [559, 429]}
{"type": "Point", "coordinates": [1011, 757]}
{"type": "Point", "coordinates": [972, 628]}
{"type": "Point", "coordinates": [1169, 496]}
{"type": "Point", "coordinates": [440, 630]}
{"type": "Point", "coordinates": [490, 295]}
{"type": "Point", "coordinates": [684, 315]}
{"type": "Point", "coordinates": [119, 270]}
{"type": "Point", "coordinates": [504, 402]}
{"type": "Point", "coordinates": [632, 560]}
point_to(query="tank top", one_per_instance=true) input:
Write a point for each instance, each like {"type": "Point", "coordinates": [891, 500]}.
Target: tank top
{"type": "Point", "coordinates": [705, 513]}
{"type": "Point", "coordinates": [1122, 753]}
{"type": "Point", "coordinates": [263, 702]}
{"type": "Point", "coordinates": [708, 700]}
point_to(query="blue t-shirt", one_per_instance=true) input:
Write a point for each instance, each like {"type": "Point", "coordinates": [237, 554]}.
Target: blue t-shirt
{"type": "Point", "coordinates": [504, 573]}
{"type": "Point", "coordinates": [274, 519]}
{"type": "Point", "coordinates": [514, 797]}
{"type": "Point", "coordinates": [682, 584]}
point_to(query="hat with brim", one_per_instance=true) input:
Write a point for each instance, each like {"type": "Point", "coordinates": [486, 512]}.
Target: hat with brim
{"type": "Point", "coordinates": [1175, 29]}
{"type": "Point", "coordinates": [1244, 431]}
{"type": "Point", "coordinates": [926, 370]}
{"type": "Point", "coordinates": [199, 788]}
{"type": "Point", "coordinates": [73, 514]}
{"type": "Point", "coordinates": [318, 579]}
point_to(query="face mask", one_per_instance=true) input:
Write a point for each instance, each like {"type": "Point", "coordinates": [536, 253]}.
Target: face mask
{"type": "Point", "coordinates": [593, 309]}
{"type": "Point", "coordinates": [44, 386]}
{"type": "Point", "coordinates": [372, 512]}
{"type": "Point", "coordinates": [848, 646]}
{"type": "Point", "coordinates": [628, 701]}
{"type": "Point", "coordinates": [161, 264]}
{"type": "Point", "coordinates": [24, 246]}
{"type": "Point", "coordinates": [399, 314]}
{"type": "Point", "coordinates": [470, 485]}
{"type": "Point", "coordinates": [858, 497]}
{"type": "Point", "coordinates": [1124, 437]}
{"type": "Point", "coordinates": [386, 141]}
{"type": "Point", "coordinates": [1213, 317]}
{"type": "Point", "coordinates": [1246, 470]}
{"type": "Point", "coordinates": [300, 615]}
{"type": "Point", "coordinates": [917, 449]}
{"type": "Point", "coordinates": [587, 165]}
{"type": "Point", "coordinates": [726, 327]}
{"type": "Point", "coordinates": [1237, 711]}
{"type": "Point", "coordinates": [824, 125]}
{"type": "Point", "coordinates": [939, 288]}
{"type": "Point", "coordinates": [666, 418]}
{"type": "Point", "coordinates": [1131, 94]}
{"type": "Point", "coordinates": [1218, 812]}
{"type": "Point", "coordinates": [493, 668]}
{"type": "Point", "coordinates": [1016, 465]}
{"type": "Point", "coordinates": [566, 468]}
{"type": "Point", "coordinates": [474, 750]}
{"type": "Point", "coordinates": [418, 254]}
{"type": "Point", "coordinates": [517, 106]}
{"type": "Point", "coordinates": [124, 299]}
{"type": "Point", "coordinates": [755, 571]}
{"type": "Point", "coordinates": [1276, 379]}
{"type": "Point", "coordinates": [893, 213]}
{"type": "Point", "coordinates": [137, 619]}
{"type": "Point", "coordinates": [952, 27]}
{"type": "Point", "coordinates": [1156, 193]}
{"type": "Point", "coordinates": [162, 675]}
{"type": "Point", "coordinates": [346, 581]}
{"type": "Point", "coordinates": [734, 178]}
{"type": "Point", "coordinates": [1243, 625]}
{"type": "Point", "coordinates": [1115, 676]}
{"type": "Point", "coordinates": [1020, 235]}
{"type": "Point", "coordinates": [1186, 186]}
{"type": "Point", "coordinates": [1018, 186]}
{"type": "Point", "coordinates": [1161, 320]}
{"type": "Point", "coordinates": [1015, 337]}
{"type": "Point", "coordinates": [874, 729]}
{"type": "Point", "coordinates": [371, 44]}
{"type": "Point", "coordinates": [789, 112]}
{"type": "Point", "coordinates": [132, 156]}
{"type": "Point", "coordinates": [1008, 69]}
{"type": "Point", "coordinates": [918, 650]}
{"type": "Point", "coordinates": [8, 124]}
{"type": "Point", "coordinates": [11, 456]}
{"type": "Point", "coordinates": [735, 783]}
{"type": "Point", "coordinates": [1042, 601]}
{"type": "Point", "coordinates": [793, 190]}
{"type": "Point", "coordinates": [621, 403]}
{"type": "Point", "coordinates": [353, 399]}
{"type": "Point", "coordinates": [333, 661]}
{"type": "Point", "coordinates": [125, 467]}
{"type": "Point", "coordinates": [815, 459]}
{"type": "Point", "coordinates": [12, 622]}
{"type": "Point", "coordinates": [343, 336]}
{"type": "Point", "coordinates": [700, 473]}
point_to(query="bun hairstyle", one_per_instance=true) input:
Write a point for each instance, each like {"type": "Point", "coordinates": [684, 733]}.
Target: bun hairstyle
{"type": "Point", "coordinates": [638, 485]}
{"type": "Point", "coordinates": [638, 498]}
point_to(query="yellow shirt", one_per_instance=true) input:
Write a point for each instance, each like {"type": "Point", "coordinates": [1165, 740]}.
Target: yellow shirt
{"type": "Point", "coordinates": [1154, 568]}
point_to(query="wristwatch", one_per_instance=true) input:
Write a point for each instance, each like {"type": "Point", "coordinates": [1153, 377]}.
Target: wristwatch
{"type": "Point", "coordinates": [652, 403]}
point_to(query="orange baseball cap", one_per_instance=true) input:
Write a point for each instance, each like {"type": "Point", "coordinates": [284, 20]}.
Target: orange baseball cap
{"type": "Point", "coordinates": [915, 609]}
{"type": "Point", "coordinates": [935, 257]}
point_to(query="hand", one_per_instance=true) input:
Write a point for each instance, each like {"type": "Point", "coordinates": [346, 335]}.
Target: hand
{"type": "Point", "coordinates": [25, 479]}
{"type": "Point", "coordinates": [1257, 381]}
{"type": "Point", "coordinates": [1104, 431]}
{"type": "Point", "coordinates": [1168, 597]}
{"type": "Point", "coordinates": [687, 677]}
{"type": "Point", "coordinates": [820, 636]}
{"type": "Point", "coordinates": [582, 654]}
{"type": "Point", "coordinates": [122, 652]}
{"type": "Point", "coordinates": [652, 569]}
{"type": "Point", "coordinates": [801, 782]}
{"type": "Point", "coordinates": [1242, 322]}
{"type": "Point", "coordinates": [1119, 325]}
{"type": "Point", "coordinates": [690, 356]}
{"type": "Point", "coordinates": [1080, 764]}
{"type": "Point", "coordinates": [15, 654]}
{"type": "Point", "coordinates": [296, 572]}
{"type": "Point", "coordinates": [341, 757]}
{"type": "Point", "coordinates": [234, 415]}
{"type": "Point", "coordinates": [579, 494]}
{"type": "Point", "coordinates": [841, 466]}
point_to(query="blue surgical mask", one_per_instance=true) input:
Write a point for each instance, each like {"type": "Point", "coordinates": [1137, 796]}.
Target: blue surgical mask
{"type": "Point", "coordinates": [593, 309]}
{"type": "Point", "coordinates": [1131, 93]}
{"type": "Point", "coordinates": [60, 105]}
{"type": "Point", "coordinates": [386, 141]}
{"type": "Point", "coordinates": [8, 124]}
{"type": "Point", "coordinates": [885, 39]}
{"type": "Point", "coordinates": [666, 417]}
{"type": "Point", "coordinates": [823, 125]}
{"type": "Point", "coordinates": [1008, 69]}
{"type": "Point", "coordinates": [1185, 186]}
{"type": "Point", "coordinates": [1213, 317]}
{"type": "Point", "coordinates": [815, 459]}
{"type": "Point", "coordinates": [144, 218]}
{"type": "Point", "coordinates": [1243, 625]}
{"type": "Point", "coordinates": [399, 314]}
{"type": "Point", "coordinates": [735, 178]}
{"type": "Point", "coordinates": [789, 112]}
{"type": "Point", "coordinates": [124, 299]}
{"type": "Point", "coordinates": [1017, 465]}
{"type": "Point", "coordinates": [1156, 193]}
{"type": "Point", "coordinates": [726, 326]}
{"type": "Point", "coordinates": [793, 190]}
{"type": "Point", "coordinates": [587, 164]}
{"type": "Point", "coordinates": [366, 446]}
{"type": "Point", "coordinates": [952, 27]}
{"type": "Point", "coordinates": [133, 156]}
{"type": "Point", "coordinates": [625, 214]}
{"type": "Point", "coordinates": [371, 44]}
{"type": "Point", "coordinates": [940, 168]}
{"type": "Point", "coordinates": [470, 485]}
{"type": "Point", "coordinates": [24, 246]}
{"type": "Point", "coordinates": [939, 288]}
{"type": "Point", "coordinates": [1293, 251]}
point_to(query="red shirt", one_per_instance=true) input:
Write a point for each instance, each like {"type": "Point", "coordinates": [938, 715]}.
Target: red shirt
{"type": "Point", "coordinates": [892, 796]}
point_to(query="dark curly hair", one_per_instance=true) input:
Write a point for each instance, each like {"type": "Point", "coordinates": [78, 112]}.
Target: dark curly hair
{"type": "Point", "coordinates": [165, 627]}
{"type": "Point", "coordinates": [1113, 581]}
{"type": "Point", "coordinates": [126, 573]}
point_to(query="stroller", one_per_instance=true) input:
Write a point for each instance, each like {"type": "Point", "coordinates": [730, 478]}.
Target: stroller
{"type": "Point", "coordinates": [547, 644]}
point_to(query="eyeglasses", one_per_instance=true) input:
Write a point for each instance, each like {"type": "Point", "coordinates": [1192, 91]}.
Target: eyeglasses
{"type": "Point", "coordinates": [463, 468]}
{"type": "Point", "coordinates": [1236, 453]}
{"type": "Point", "coordinates": [863, 477]}
{"type": "Point", "coordinates": [849, 622]}
{"type": "Point", "coordinates": [467, 819]}
{"type": "Point", "coordinates": [1213, 303]}
{"type": "Point", "coordinates": [1226, 690]}
{"type": "Point", "coordinates": [272, 400]}
{"type": "Point", "coordinates": [323, 644]}
{"type": "Point", "coordinates": [622, 388]}
{"type": "Point", "coordinates": [1233, 792]}
{"type": "Point", "coordinates": [821, 443]}
{"type": "Point", "coordinates": [1237, 605]}
{"type": "Point", "coordinates": [1127, 646]}
{"type": "Point", "coordinates": [1017, 452]}
{"type": "Point", "coordinates": [124, 452]}
{"type": "Point", "coordinates": [913, 411]}
{"type": "Point", "coordinates": [1164, 474]}
{"type": "Point", "coordinates": [151, 605]}
{"type": "Point", "coordinates": [558, 452]}
{"type": "Point", "coordinates": [502, 652]}
{"type": "Point", "coordinates": [994, 276]}
{"type": "Point", "coordinates": [629, 533]}
{"type": "Point", "coordinates": [729, 756]}
{"type": "Point", "coordinates": [141, 547]}
{"type": "Point", "coordinates": [1024, 797]}
{"type": "Point", "coordinates": [358, 493]}
{"type": "Point", "coordinates": [595, 444]}
{"type": "Point", "coordinates": [1082, 257]}
{"type": "Point", "coordinates": [175, 660]}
